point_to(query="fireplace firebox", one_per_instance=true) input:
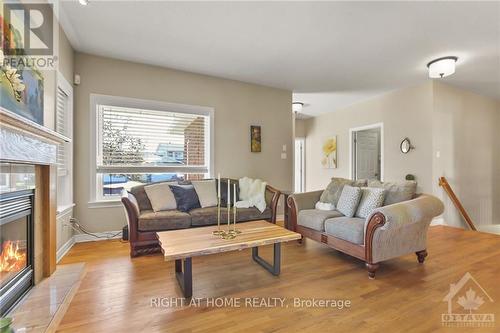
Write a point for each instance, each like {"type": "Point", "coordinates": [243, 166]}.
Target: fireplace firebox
{"type": "Point", "coordinates": [16, 247]}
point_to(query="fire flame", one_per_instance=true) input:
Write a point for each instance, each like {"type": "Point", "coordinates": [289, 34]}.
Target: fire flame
{"type": "Point", "coordinates": [12, 258]}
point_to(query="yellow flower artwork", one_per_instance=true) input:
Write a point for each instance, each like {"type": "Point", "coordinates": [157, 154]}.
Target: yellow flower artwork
{"type": "Point", "coordinates": [329, 156]}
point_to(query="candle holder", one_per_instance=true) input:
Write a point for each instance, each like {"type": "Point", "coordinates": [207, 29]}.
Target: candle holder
{"type": "Point", "coordinates": [235, 231]}
{"type": "Point", "coordinates": [229, 233]}
{"type": "Point", "coordinates": [218, 232]}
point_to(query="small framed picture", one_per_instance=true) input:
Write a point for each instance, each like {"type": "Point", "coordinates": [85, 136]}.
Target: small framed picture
{"type": "Point", "coordinates": [255, 139]}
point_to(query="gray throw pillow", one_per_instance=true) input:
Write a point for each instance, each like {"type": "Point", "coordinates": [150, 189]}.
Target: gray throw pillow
{"type": "Point", "coordinates": [371, 198]}
{"type": "Point", "coordinates": [207, 192]}
{"type": "Point", "coordinates": [161, 197]}
{"type": "Point", "coordinates": [396, 191]}
{"type": "Point", "coordinates": [349, 199]}
{"type": "Point", "coordinates": [332, 192]}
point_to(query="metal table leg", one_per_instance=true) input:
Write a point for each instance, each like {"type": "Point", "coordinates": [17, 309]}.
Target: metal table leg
{"type": "Point", "coordinates": [275, 268]}
{"type": "Point", "coordinates": [185, 278]}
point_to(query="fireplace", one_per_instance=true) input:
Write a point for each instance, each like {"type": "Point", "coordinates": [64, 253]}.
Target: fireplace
{"type": "Point", "coordinates": [16, 247]}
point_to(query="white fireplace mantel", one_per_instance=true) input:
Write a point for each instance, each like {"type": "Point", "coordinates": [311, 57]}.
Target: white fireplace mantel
{"type": "Point", "coordinates": [24, 141]}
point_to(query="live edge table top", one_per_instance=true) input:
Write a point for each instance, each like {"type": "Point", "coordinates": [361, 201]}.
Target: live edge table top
{"type": "Point", "coordinates": [186, 243]}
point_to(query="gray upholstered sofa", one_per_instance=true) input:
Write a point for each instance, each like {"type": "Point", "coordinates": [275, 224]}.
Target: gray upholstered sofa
{"type": "Point", "coordinates": [389, 231]}
{"type": "Point", "coordinates": [143, 222]}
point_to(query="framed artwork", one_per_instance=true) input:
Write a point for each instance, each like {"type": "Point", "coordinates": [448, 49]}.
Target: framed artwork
{"type": "Point", "coordinates": [329, 153]}
{"type": "Point", "coordinates": [255, 139]}
{"type": "Point", "coordinates": [21, 92]}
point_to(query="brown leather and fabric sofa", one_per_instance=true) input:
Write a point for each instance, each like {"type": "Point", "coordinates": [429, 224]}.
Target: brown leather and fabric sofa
{"type": "Point", "coordinates": [388, 232]}
{"type": "Point", "coordinates": [143, 222]}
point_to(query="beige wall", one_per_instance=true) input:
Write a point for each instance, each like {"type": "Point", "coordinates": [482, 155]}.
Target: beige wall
{"type": "Point", "coordinates": [66, 57]}
{"type": "Point", "coordinates": [466, 141]}
{"type": "Point", "coordinates": [300, 128]}
{"type": "Point", "coordinates": [453, 132]}
{"type": "Point", "coordinates": [404, 113]}
{"type": "Point", "coordinates": [237, 106]}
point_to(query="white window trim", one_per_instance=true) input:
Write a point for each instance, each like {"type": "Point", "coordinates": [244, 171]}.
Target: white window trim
{"type": "Point", "coordinates": [351, 138]}
{"type": "Point", "coordinates": [65, 86]}
{"type": "Point", "coordinates": [96, 99]}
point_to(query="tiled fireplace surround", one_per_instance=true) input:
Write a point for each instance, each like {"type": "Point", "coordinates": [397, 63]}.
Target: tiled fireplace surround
{"type": "Point", "coordinates": [22, 141]}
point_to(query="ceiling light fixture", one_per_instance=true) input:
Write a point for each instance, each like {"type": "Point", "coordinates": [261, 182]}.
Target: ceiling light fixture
{"type": "Point", "coordinates": [442, 67]}
{"type": "Point", "coordinates": [297, 106]}
{"type": "Point", "coordinates": [83, 2]}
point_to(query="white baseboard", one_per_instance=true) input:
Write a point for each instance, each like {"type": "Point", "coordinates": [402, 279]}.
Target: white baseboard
{"type": "Point", "coordinates": [64, 249]}
{"type": "Point", "coordinates": [80, 238]}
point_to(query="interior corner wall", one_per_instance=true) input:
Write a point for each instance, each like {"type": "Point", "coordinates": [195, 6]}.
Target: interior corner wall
{"type": "Point", "coordinates": [466, 152]}
{"type": "Point", "coordinates": [404, 113]}
{"type": "Point", "coordinates": [237, 106]}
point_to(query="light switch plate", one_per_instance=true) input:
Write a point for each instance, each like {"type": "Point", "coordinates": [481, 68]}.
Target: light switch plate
{"type": "Point", "coordinates": [284, 147]}
{"type": "Point", "coordinates": [283, 156]}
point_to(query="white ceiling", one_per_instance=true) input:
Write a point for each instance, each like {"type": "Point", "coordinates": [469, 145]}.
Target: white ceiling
{"type": "Point", "coordinates": [331, 54]}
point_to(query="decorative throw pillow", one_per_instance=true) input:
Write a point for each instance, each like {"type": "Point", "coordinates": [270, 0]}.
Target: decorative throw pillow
{"type": "Point", "coordinates": [396, 191]}
{"type": "Point", "coordinates": [349, 199]}
{"type": "Point", "coordinates": [324, 206]}
{"type": "Point", "coordinates": [207, 192]}
{"type": "Point", "coordinates": [332, 192]}
{"type": "Point", "coordinates": [186, 197]}
{"type": "Point", "coordinates": [161, 197]}
{"type": "Point", "coordinates": [371, 198]}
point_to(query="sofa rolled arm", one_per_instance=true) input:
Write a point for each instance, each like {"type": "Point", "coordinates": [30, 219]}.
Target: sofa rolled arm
{"type": "Point", "coordinates": [274, 195]}
{"type": "Point", "coordinates": [131, 212]}
{"type": "Point", "coordinates": [400, 228]}
{"type": "Point", "coordinates": [299, 201]}
{"type": "Point", "coordinates": [422, 209]}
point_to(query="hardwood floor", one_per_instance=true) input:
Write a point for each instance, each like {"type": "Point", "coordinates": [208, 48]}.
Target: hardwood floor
{"type": "Point", "coordinates": [115, 295]}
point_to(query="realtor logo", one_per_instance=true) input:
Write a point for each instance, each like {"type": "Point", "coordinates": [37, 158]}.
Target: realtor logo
{"type": "Point", "coordinates": [28, 29]}
{"type": "Point", "coordinates": [464, 300]}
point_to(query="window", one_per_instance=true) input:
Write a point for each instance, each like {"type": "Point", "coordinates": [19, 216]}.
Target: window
{"type": "Point", "coordinates": [64, 126]}
{"type": "Point", "coordinates": [140, 142]}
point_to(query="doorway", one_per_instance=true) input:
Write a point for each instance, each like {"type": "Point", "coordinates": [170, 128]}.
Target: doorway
{"type": "Point", "coordinates": [367, 155]}
{"type": "Point", "coordinates": [299, 165]}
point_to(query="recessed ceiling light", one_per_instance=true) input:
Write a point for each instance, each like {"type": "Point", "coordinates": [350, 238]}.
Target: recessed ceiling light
{"type": "Point", "coordinates": [297, 106]}
{"type": "Point", "coordinates": [442, 67]}
{"type": "Point", "coordinates": [83, 2]}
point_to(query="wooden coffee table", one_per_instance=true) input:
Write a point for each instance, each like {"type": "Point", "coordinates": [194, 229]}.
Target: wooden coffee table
{"type": "Point", "coordinates": [182, 245]}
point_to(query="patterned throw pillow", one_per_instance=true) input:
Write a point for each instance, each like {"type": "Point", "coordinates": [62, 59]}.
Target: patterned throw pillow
{"type": "Point", "coordinates": [349, 199]}
{"type": "Point", "coordinates": [396, 191]}
{"type": "Point", "coordinates": [371, 198]}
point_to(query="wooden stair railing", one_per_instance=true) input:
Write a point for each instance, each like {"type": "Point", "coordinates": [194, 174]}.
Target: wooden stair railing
{"type": "Point", "coordinates": [447, 188]}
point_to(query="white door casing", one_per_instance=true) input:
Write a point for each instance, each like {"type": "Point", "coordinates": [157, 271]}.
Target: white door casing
{"type": "Point", "coordinates": [367, 148]}
{"type": "Point", "coordinates": [299, 165]}
{"type": "Point", "coordinates": [368, 162]}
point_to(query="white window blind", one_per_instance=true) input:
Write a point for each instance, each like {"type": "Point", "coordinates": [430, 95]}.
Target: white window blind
{"type": "Point", "coordinates": [136, 140]}
{"type": "Point", "coordinates": [62, 127]}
